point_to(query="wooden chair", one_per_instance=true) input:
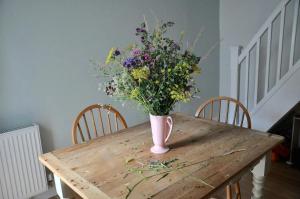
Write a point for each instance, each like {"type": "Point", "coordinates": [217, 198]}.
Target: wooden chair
{"type": "Point", "coordinates": [214, 105]}
{"type": "Point", "coordinates": [96, 116]}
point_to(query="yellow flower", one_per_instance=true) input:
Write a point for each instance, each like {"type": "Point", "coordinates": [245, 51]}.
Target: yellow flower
{"type": "Point", "coordinates": [134, 93]}
{"type": "Point", "coordinates": [179, 95]}
{"type": "Point", "coordinates": [109, 56]}
{"type": "Point", "coordinates": [140, 73]}
{"type": "Point", "coordinates": [182, 66]}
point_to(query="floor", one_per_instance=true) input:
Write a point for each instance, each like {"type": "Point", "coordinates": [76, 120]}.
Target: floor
{"type": "Point", "coordinates": [48, 194]}
{"type": "Point", "coordinates": [283, 182]}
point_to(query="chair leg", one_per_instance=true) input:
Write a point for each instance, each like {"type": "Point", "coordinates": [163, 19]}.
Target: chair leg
{"type": "Point", "coordinates": [228, 192]}
{"type": "Point", "coordinates": [237, 190]}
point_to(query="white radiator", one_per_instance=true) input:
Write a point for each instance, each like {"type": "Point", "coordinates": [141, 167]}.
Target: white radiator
{"type": "Point", "coordinates": [21, 174]}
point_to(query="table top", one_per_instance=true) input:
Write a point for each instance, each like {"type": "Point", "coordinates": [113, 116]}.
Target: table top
{"type": "Point", "coordinates": [204, 156]}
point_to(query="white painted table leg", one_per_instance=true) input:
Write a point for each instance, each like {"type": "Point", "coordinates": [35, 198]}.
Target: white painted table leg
{"type": "Point", "coordinates": [259, 173]}
{"type": "Point", "coordinates": [58, 186]}
{"type": "Point", "coordinates": [62, 190]}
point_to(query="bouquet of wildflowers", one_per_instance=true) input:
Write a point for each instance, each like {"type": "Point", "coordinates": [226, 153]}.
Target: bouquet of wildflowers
{"type": "Point", "coordinates": [156, 72]}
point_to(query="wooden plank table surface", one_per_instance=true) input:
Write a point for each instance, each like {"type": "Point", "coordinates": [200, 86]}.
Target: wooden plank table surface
{"type": "Point", "coordinates": [208, 156]}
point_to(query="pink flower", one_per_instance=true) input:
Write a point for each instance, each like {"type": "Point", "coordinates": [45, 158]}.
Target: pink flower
{"type": "Point", "coordinates": [136, 52]}
{"type": "Point", "coordinates": [146, 57]}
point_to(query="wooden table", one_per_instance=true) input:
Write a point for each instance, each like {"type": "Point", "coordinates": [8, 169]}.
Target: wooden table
{"type": "Point", "coordinates": [207, 156]}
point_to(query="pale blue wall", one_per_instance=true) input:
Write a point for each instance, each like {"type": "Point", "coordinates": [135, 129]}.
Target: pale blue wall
{"type": "Point", "coordinates": [45, 48]}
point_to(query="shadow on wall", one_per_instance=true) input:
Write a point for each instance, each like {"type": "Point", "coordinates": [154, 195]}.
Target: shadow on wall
{"type": "Point", "coordinates": [46, 138]}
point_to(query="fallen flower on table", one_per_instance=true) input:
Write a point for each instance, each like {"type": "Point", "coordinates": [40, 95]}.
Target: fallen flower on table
{"type": "Point", "coordinates": [162, 169]}
{"type": "Point", "coordinates": [234, 151]}
{"type": "Point", "coordinates": [128, 159]}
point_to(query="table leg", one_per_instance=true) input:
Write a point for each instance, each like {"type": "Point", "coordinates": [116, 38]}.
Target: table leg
{"type": "Point", "coordinates": [62, 190]}
{"type": "Point", "coordinates": [58, 186]}
{"type": "Point", "coordinates": [259, 173]}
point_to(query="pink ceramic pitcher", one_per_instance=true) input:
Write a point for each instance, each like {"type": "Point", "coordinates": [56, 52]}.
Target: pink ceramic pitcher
{"type": "Point", "coordinates": [161, 130]}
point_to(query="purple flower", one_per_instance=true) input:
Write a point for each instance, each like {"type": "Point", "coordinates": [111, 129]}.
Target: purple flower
{"type": "Point", "coordinates": [110, 88]}
{"type": "Point", "coordinates": [140, 30]}
{"type": "Point", "coordinates": [131, 62]}
{"type": "Point", "coordinates": [127, 63]}
{"type": "Point", "coordinates": [117, 52]}
{"type": "Point", "coordinates": [136, 52]}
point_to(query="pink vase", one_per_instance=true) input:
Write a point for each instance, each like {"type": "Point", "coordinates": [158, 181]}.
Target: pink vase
{"type": "Point", "coordinates": [161, 127]}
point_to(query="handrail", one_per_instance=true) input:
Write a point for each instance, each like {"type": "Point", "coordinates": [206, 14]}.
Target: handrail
{"type": "Point", "coordinates": [261, 85]}
{"type": "Point", "coordinates": [263, 28]}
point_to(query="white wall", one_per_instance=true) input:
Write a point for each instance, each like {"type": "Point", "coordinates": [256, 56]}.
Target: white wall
{"type": "Point", "coordinates": [46, 45]}
{"type": "Point", "coordinates": [239, 21]}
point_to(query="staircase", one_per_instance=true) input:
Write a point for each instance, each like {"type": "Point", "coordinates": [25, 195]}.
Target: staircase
{"type": "Point", "coordinates": [265, 74]}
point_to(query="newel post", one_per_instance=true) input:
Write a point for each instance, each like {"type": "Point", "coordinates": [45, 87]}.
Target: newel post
{"type": "Point", "coordinates": [234, 71]}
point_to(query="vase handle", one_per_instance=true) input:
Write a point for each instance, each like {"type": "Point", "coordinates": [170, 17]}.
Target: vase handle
{"type": "Point", "coordinates": [170, 123]}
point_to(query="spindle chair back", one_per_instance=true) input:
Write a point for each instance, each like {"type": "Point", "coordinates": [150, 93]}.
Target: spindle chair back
{"type": "Point", "coordinates": [96, 120]}
{"type": "Point", "coordinates": [213, 109]}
